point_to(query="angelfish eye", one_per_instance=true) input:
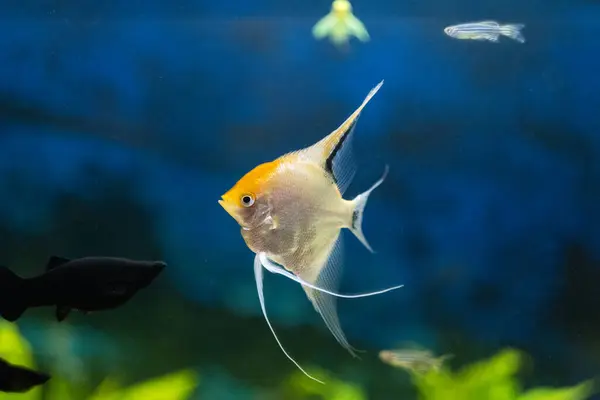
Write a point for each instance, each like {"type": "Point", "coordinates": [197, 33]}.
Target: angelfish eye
{"type": "Point", "coordinates": [247, 200]}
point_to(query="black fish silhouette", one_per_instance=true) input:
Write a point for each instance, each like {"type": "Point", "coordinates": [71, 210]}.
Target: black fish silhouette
{"type": "Point", "coordinates": [85, 284]}
{"type": "Point", "coordinates": [14, 378]}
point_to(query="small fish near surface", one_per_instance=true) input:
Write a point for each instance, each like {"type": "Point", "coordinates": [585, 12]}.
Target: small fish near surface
{"type": "Point", "coordinates": [340, 24]}
{"type": "Point", "coordinates": [413, 360]}
{"type": "Point", "coordinates": [291, 213]}
{"type": "Point", "coordinates": [85, 284]}
{"type": "Point", "coordinates": [485, 30]}
{"type": "Point", "coordinates": [17, 379]}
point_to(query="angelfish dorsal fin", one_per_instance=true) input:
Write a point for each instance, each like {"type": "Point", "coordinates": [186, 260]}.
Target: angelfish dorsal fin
{"type": "Point", "coordinates": [334, 151]}
{"type": "Point", "coordinates": [55, 261]}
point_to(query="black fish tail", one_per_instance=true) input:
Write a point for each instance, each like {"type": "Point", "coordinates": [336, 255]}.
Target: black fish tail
{"type": "Point", "coordinates": [12, 304]}
{"type": "Point", "coordinates": [18, 379]}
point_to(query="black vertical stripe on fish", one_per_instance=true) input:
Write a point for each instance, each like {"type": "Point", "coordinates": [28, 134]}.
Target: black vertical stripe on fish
{"type": "Point", "coordinates": [354, 218]}
{"type": "Point", "coordinates": [336, 149]}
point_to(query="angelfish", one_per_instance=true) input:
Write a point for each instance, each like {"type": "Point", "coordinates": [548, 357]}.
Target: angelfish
{"type": "Point", "coordinates": [291, 212]}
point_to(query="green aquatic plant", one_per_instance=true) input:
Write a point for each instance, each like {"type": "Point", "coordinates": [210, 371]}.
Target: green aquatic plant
{"type": "Point", "coordinates": [176, 386]}
{"type": "Point", "coordinates": [15, 349]}
{"type": "Point", "coordinates": [491, 379]}
{"type": "Point", "coordinates": [298, 386]}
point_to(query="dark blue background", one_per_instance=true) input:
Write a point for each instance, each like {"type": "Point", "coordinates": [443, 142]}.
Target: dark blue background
{"type": "Point", "coordinates": [490, 215]}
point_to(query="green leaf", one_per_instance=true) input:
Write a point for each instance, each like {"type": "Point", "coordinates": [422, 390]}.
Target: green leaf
{"type": "Point", "coordinates": [499, 368]}
{"type": "Point", "coordinates": [174, 386]}
{"type": "Point", "coordinates": [580, 392]}
{"type": "Point", "coordinates": [59, 388]}
{"type": "Point", "coordinates": [492, 379]}
{"type": "Point", "coordinates": [334, 389]}
{"type": "Point", "coordinates": [15, 349]}
{"type": "Point", "coordinates": [108, 387]}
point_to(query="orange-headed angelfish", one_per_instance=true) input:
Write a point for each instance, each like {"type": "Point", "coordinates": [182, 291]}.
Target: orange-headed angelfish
{"type": "Point", "coordinates": [291, 212]}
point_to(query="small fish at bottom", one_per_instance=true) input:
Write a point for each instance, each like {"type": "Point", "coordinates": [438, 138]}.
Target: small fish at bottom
{"type": "Point", "coordinates": [85, 284]}
{"type": "Point", "coordinates": [414, 360]}
{"type": "Point", "coordinates": [17, 379]}
{"type": "Point", "coordinates": [485, 30]}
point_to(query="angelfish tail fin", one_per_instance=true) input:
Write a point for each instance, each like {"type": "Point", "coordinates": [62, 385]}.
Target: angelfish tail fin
{"type": "Point", "coordinates": [360, 203]}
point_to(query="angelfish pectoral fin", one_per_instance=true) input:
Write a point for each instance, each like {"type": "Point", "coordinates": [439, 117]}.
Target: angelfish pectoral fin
{"type": "Point", "coordinates": [276, 269]}
{"type": "Point", "coordinates": [258, 276]}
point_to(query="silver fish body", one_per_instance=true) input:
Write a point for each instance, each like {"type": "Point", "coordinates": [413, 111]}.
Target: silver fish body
{"type": "Point", "coordinates": [419, 361]}
{"type": "Point", "coordinates": [485, 30]}
{"type": "Point", "coordinates": [302, 222]}
{"type": "Point", "coordinates": [291, 212]}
